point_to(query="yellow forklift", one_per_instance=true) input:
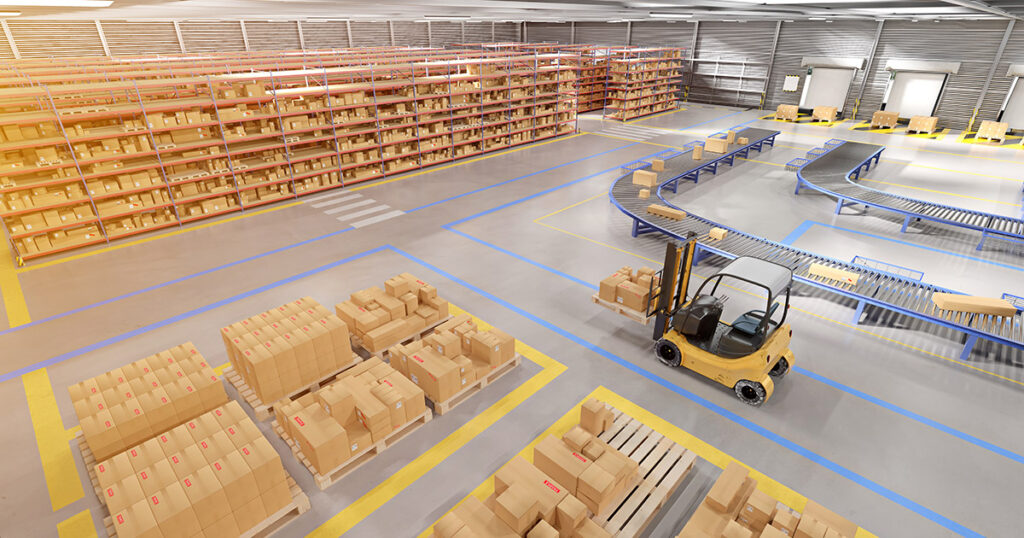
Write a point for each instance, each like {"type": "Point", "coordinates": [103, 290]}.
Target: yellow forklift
{"type": "Point", "coordinates": [745, 355]}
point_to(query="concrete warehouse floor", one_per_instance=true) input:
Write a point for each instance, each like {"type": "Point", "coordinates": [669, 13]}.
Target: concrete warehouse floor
{"type": "Point", "coordinates": [881, 422]}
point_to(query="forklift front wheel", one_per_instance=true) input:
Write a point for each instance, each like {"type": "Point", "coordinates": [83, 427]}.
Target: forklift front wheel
{"type": "Point", "coordinates": [780, 369]}
{"type": "Point", "coordinates": [668, 353]}
{"type": "Point", "coordinates": [751, 392]}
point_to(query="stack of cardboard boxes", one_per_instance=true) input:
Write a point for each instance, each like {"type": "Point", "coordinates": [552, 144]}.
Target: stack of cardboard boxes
{"type": "Point", "coordinates": [288, 348]}
{"type": "Point", "coordinates": [629, 289]}
{"type": "Point", "coordinates": [213, 476]}
{"type": "Point", "coordinates": [128, 405]}
{"type": "Point", "coordinates": [569, 480]}
{"type": "Point", "coordinates": [361, 408]}
{"type": "Point", "coordinates": [453, 357]}
{"type": "Point", "coordinates": [383, 318]}
{"type": "Point", "coordinates": [734, 508]}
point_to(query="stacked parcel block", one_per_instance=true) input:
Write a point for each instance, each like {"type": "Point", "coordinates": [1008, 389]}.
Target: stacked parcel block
{"type": "Point", "coordinates": [128, 405]}
{"type": "Point", "coordinates": [630, 290]}
{"type": "Point", "coordinates": [285, 350]}
{"type": "Point", "coordinates": [379, 319]}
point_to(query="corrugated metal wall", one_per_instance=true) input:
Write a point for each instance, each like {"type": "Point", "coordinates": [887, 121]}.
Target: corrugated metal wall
{"type": "Point", "coordinates": [731, 62]}
{"type": "Point", "coordinates": [444, 33]}
{"type": "Point", "coordinates": [997, 92]}
{"type": "Point", "coordinates": [212, 36]}
{"type": "Point", "coordinates": [478, 32]}
{"type": "Point", "coordinates": [410, 33]}
{"type": "Point", "coordinates": [140, 38]}
{"type": "Point", "coordinates": [537, 32]}
{"type": "Point", "coordinates": [506, 31]}
{"type": "Point", "coordinates": [601, 33]}
{"type": "Point", "coordinates": [272, 35]}
{"type": "Point", "coordinates": [663, 34]}
{"type": "Point", "coordinates": [370, 34]}
{"type": "Point", "coordinates": [44, 39]}
{"type": "Point", "coordinates": [325, 34]}
{"type": "Point", "coordinates": [798, 40]}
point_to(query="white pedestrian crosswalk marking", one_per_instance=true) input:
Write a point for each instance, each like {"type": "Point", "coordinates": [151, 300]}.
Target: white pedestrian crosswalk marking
{"type": "Point", "coordinates": [351, 216]}
{"type": "Point", "coordinates": [346, 207]}
{"type": "Point", "coordinates": [353, 206]}
{"type": "Point", "coordinates": [336, 201]}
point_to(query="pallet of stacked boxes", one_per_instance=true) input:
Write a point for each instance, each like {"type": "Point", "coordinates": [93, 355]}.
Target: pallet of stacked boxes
{"type": "Point", "coordinates": [286, 351]}
{"type": "Point", "coordinates": [603, 478]}
{"type": "Point", "coordinates": [404, 310]}
{"type": "Point", "coordinates": [338, 428]}
{"type": "Point", "coordinates": [213, 476]}
{"type": "Point", "coordinates": [128, 405]}
{"type": "Point", "coordinates": [456, 361]}
{"type": "Point", "coordinates": [629, 293]}
{"type": "Point", "coordinates": [734, 507]}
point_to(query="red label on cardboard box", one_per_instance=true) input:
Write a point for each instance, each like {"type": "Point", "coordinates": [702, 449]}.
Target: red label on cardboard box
{"type": "Point", "coordinates": [245, 451]}
{"type": "Point", "coordinates": [144, 475]}
{"type": "Point", "coordinates": [581, 458]}
{"type": "Point", "coordinates": [155, 384]}
{"type": "Point", "coordinates": [388, 382]}
{"type": "Point", "coordinates": [163, 438]}
{"type": "Point", "coordinates": [217, 466]}
{"type": "Point", "coordinates": [203, 444]}
{"type": "Point", "coordinates": [106, 423]}
{"type": "Point", "coordinates": [163, 399]}
{"type": "Point", "coordinates": [299, 421]}
{"type": "Point", "coordinates": [188, 388]}
{"type": "Point", "coordinates": [217, 412]}
{"type": "Point", "coordinates": [417, 358]}
{"type": "Point", "coordinates": [552, 486]}
{"type": "Point", "coordinates": [155, 500]}
{"type": "Point", "coordinates": [110, 492]}
{"type": "Point", "coordinates": [134, 453]}
{"type": "Point", "coordinates": [192, 425]}
{"type": "Point", "coordinates": [188, 483]}
{"type": "Point", "coordinates": [120, 518]}
{"type": "Point", "coordinates": [102, 468]}
{"type": "Point", "coordinates": [175, 459]}
{"type": "Point", "coordinates": [231, 431]}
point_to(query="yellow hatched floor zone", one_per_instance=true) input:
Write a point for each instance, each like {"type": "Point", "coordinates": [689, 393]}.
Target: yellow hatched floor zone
{"type": "Point", "coordinates": [805, 119]}
{"type": "Point", "coordinates": [703, 450]}
{"type": "Point", "coordinates": [865, 127]}
{"type": "Point", "coordinates": [1011, 141]}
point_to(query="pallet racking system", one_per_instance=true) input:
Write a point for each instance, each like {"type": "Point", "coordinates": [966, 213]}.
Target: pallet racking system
{"type": "Point", "coordinates": [88, 163]}
{"type": "Point", "coordinates": [642, 81]}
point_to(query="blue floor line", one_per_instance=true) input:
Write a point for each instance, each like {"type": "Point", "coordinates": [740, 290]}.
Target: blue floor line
{"type": "Point", "coordinates": [707, 404]}
{"type": "Point", "coordinates": [457, 196]}
{"type": "Point", "coordinates": [808, 224]}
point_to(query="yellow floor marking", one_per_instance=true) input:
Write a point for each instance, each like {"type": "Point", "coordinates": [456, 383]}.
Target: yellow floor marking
{"type": "Point", "coordinates": [581, 202]}
{"type": "Point", "coordinates": [62, 478]}
{"type": "Point", "coordinates": [375, 498]}
{"type": "Point", "coordinates": [72, 432]}
{"type": "Point", "coordinates": [79, 525]}
{"type": "Point", "coordinates": [10, 288]}
{"type": "Point", "coordinates": [278, 208]}
{"type": "Point", "coordinates": [219, 370]}
{"type": "Point", "coordinates": [677, 435]}
{"type": "Point", "coordinates": [940, 192]}
{"type": "Point", "coordinates": [645, 118]}
{"type": "Point", "coordinates": [953, 360]}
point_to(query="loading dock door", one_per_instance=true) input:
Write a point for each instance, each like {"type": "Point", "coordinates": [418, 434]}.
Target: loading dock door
{"type": "Point", "coordinates": [1013, 113]}
{"type": "Point", "coordinates": [913, 93]}
{"type": "Point", "coordinates": [826, 86]}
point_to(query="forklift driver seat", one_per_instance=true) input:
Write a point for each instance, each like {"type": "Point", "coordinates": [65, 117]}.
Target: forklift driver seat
{"type": "Point", "coordinates": [748, 323]}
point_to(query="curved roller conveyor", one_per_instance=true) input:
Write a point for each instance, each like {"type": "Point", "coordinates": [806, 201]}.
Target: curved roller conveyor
{"type": "Point", "coordinates": [880, 288]}
{"type": "Point", "coordinates": [837, 166]}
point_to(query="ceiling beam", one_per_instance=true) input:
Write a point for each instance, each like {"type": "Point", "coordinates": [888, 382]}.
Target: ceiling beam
{"type": "Point", "coordinates": [979, 6]}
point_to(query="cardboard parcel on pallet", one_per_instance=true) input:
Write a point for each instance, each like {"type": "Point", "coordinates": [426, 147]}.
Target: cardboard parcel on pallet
{"type": "Point", "coordinates": [455, 355]}
{"type": "Point", "coordinates": [735, 508]}
{"type": "Point", "coordinates": [383, 318]}
{"type": "Point", "coordinates": [362, 407]}
{"type": "Point", "coordinates": [631, 290]}
{"type": "Point", "coordinates": [288, 348]}
{"type": "Point", "coordinates": [215, 475]}
{"type": "Point", "coordinates": [128, 405]}
{"type": "Point", "coordinates": [570, 480]}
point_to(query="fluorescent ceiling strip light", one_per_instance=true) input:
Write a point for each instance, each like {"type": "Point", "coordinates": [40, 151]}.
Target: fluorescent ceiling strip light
{"type": "Point", "coordinates": [657, 15]}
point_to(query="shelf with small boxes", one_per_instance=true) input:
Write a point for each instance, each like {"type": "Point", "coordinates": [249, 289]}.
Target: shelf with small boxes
{"type": "Point", "coordinates": [642, 82]}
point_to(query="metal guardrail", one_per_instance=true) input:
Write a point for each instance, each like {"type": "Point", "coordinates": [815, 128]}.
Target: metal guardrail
{"type": "Point", "coordinates": [876, 287]}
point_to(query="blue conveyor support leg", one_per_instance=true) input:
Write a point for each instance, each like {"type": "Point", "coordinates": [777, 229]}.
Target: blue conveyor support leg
{"type": "Point", "coordinates": [965, 353]}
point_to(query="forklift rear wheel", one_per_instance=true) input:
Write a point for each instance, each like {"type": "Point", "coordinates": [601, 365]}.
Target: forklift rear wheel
{"type": "Point", "coordinates": [780, 369]}
{"type": "Point", "coordinates": [668, 353]}
{"type": "Point", "coordinates": [751, 392]}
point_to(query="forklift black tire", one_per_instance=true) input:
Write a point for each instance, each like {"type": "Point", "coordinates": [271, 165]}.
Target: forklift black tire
{"type": "Point", "coordinates": [668, 353]}
{"type": "Point", "coordinates": [751, 392]}
{"type": "Point", "coordinates": [780, 369]}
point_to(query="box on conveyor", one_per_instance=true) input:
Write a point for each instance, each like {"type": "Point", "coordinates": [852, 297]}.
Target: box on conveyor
{"type": "Point", "coordinates": [455, 355]}
{"type": "Point", "coordinates": [362, 407]}
{"type": "Point", "coordinates": [383, 318]}
{"type": "Point", "coordinates": [286, 348]}
{"type": "Point", "coordinates": [130, 404]}
{"type": "Point", "coordinates": [215, 475]}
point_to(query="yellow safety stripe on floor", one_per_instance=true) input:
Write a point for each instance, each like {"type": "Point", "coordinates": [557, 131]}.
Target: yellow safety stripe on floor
{"type": "Point", "coordinates": [953, 360]}
{"type": "Point", "coordinates": [10, 287]}
{"type": "Point", "coordinates": [969, 137]}
{"type": "Point", "coordinates": [677, 435]}
{"type": "Point", "coordinates": [404, 477]}
{"type": "Point", "coordinates": [62, 478]}
{"type": "Point", "coordinates": [79, 525]}
{"type": "Point", "coordinates": [905, 186]}
{"type": "Point", "coordinates": [278, 208]}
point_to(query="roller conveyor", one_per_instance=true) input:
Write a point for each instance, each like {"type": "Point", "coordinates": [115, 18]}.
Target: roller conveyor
{"type": "Point", "coordinates": [907, 296]}
{"type": "Point", "coordinates": [835, 172]}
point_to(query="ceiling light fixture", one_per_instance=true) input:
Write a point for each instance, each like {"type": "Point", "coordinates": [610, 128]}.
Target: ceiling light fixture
{"type": "Point", "coordinates": [443, 17]}
{"type": "Point", "coordinates": [658, 15]}
{"type": "Point", "coordinates": [57, 3]}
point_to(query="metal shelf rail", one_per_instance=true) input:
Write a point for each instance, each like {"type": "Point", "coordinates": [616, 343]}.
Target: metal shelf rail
{"type": "Point", "coordinates": [880, 288]}
{"type": "Point", "coordinates": [834, 169]}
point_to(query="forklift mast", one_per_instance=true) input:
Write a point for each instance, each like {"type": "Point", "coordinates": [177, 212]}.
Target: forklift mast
{"type": "Point", "coordinates": [675, 282]}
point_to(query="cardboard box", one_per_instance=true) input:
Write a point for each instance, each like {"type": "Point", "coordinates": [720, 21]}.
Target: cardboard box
{"type": "Point", "coordinates": [136, 520]}
{"type": "Point", "coordinates": [809, 527]}
{"type": "Point", "coordinates": [773, 532]}
{"type": "Point", "coordinates": [843, 526]}
{"type": "Point", "coordinates": [632, 296]}
{"type": "Point", "coordinates": [667, 212]}
{"type": "Point", "coordinates": [555, 459]}
{"type": "Point", "coordinates": [785, 521]}
{"type": "Point", "coordinates": [758, 510]}
{"type": "Point", "coordinates": [595, 418]}
{"type": "Point", "coordinates": [658, 165]}
{"type": "Point", "coordinates": [569, 515]}
{"type": "Point", "coordinates": [173, 512]}
{"type": "Point", "coordinates": [718, 234]}
{"type": "Point", "coordinates": [609, 287]}
{"type": "Point", "coordinates": [979, 305]}
{"type": "Point", "coordinates": [844, 277]}
{"type": "Point", "coordinates": [590, 529]}
{"type": "Point", "coordinates": [734, 530]}
{"type": "Point", "coordinates": [517, 509]}
{"type": "Point", "coordinates": [787, 112]}
{"type": "Point", "coordinates": [542, 530]}
{"type": "Point", "coordinates": [725, 495]}
{"type": "Point", "coordinates": [644, 194]}
{"type": "Point", "coordinates": [884, 119]}
{"type": "Point", "coordinates": [716, 145]}
{"type": "Point", "coordinates": [645, 178]}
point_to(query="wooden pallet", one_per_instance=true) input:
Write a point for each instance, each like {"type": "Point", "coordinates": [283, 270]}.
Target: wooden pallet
{"type": "Point", "coordinates": [324, 481]}
{"type": "Point", "coordinates": [991, 139]}
{"type": "Point", "coordinates": [466, 393]}
{"type": "Point", "coordinates": [262, 410]}
{"type": "Point", "coordinates": [357, 342]}
{"type": "Point", "coordinates": [298, 506]}
{"type": "Point", "coordinates": [637, 316]}
{"type": "Point", "coordinates": [663, 467]}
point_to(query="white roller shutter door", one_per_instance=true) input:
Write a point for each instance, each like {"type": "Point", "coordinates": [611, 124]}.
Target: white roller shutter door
{"type": "Point", "coordinates": [1014, 111]}
{"type": "Point", "coordinates": [828, 86]}
{"type": "Point", "coordinates": [914, 93]}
